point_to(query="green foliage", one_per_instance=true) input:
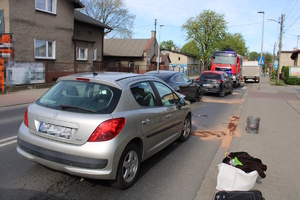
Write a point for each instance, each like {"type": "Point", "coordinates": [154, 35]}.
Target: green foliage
{"type": "Point", "coordinates": [207, 30]}
{"type": "Point", "coordinates": [112, 13]}
{"type": "Point", "coordinates": [191, 48]}
{"type": "Point", "coordinates": [167, 45]}
{"type": "Point", "coordinates": [285, 71]}
{"type": "Point", "coordinates": [235, 42]}
{"type": "Point", "coordinates": [253, 56]}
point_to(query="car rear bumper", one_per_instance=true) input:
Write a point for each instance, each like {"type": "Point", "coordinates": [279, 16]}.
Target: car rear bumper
{"type": "Point", "coordinates": [90, 160]}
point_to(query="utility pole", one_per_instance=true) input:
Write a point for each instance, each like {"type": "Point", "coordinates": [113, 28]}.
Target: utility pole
{"type": "Point", "coordinates": [281, 25]}
{"type": "Point", "coordinates": [273, 60]}
{"type": "Point", "coordinates": [297, 40]}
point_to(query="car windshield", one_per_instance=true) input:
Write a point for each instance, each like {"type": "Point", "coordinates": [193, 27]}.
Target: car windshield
{"type": "Point", "coordinates": [224, 59]}
{"type": "Point", "coordinates": [210, 76]}
{"type": "Point", "coordinates": [84, 97]}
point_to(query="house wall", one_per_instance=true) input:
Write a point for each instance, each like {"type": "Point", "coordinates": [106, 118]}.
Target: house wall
{"type": "Point", "coordinates": [28, 24]}
{"type": "Point", "coordinates": [4, 5]}
{"type": "Point", "coordinates": [285, 59]}
{"type": "Point", "coordinates": [92, 37]}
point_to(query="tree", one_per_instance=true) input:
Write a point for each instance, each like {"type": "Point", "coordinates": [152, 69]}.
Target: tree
{"type": "Point", "coordinates": [112, 13]}
{"type": "Point", "coordinates": [167, 45]}
{"type": "Point", "coordinates": [235, 42]}
{"type": "Point", "coordinates": [206, 30]}
{"type": "Point", "coordinates": [191, 48]}
{"type": "Point", "coordinates": [253, 56]}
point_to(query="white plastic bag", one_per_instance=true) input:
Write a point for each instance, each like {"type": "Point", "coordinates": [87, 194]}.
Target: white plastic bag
{"type": "Point", "coordinates": [234, 179]}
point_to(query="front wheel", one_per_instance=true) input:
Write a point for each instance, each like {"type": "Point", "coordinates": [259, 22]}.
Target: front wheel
{"type": "Point", "coordinates": [128, 167]}
{"type": "Point", "coordinates": [186, 129]}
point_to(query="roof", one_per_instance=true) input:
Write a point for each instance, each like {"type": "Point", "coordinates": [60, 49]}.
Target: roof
{"type": "Point", "coordinates": [125, 47]}
{"type": "Point", "coordinates": [295, 54]}
{"type": "Point", "coordinates": [80, 17]}
{"type": "Point", "coordinates": [78, 4]}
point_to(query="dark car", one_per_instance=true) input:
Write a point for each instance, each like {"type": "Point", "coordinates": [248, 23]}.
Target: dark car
{"type": "Point", "coordinates": [215, 82]}
{"type": "Point", "coordinates": [180, 83]}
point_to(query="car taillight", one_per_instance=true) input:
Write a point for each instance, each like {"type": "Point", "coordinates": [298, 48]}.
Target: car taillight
{"type": "Point", "coordinates": [26, 117]}
{"type": "Point", "coordinates": [107, 130]}
{"type": "Point", "coordinates": [220, 81]}
{"type": "Point", "coordinates": [198, 79]}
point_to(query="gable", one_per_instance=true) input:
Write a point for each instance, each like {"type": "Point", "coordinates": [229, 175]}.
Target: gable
{"type": "Point", "coordinates": [125, 47]}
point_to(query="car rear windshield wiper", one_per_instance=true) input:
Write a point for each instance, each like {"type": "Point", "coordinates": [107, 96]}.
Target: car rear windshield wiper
{"type": "Point", "coordinates": [66, 107]}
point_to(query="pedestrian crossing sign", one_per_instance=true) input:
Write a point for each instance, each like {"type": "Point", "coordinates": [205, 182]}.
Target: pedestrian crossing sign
{"type": "Point", "coordinates": [261, 60]}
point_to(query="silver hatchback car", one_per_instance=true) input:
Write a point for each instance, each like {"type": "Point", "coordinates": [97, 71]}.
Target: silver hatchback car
{"type": "Point", "coordinates": [102, 126]}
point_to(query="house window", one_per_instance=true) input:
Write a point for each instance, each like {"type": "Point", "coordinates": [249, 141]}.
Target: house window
{"type": "Point", "coordinates": [46, 5]}
{"type": "Point", "coordinates": [81, 53]}
{"type": "Point", "coordinates": [44, 49]}
{"type": "Point", "coordinates": [95, 54]}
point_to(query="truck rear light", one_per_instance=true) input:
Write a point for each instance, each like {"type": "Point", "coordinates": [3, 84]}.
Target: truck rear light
{"type": "Point", "coordinates": [107, 130]}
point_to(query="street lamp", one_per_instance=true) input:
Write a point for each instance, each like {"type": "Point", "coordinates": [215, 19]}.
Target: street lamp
{"type": "Point", "coordinates": [158, 61]}
{"type": "Point", "coordinates": [262, 42]}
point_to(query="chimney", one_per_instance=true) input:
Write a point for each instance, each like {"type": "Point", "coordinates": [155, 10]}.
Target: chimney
{"type": "Point", "coordinates": [152, 34]}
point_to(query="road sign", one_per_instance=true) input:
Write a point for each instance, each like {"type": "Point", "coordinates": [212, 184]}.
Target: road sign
{"type": "Point", "coordinates": [261, 60]}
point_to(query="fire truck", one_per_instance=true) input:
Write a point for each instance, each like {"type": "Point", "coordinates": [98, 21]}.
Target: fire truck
{"type": "Point", "coordinates": [230, 62]}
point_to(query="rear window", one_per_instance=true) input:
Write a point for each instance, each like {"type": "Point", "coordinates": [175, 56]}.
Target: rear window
{"type": "Point", "coordinates": [83, 97]}
{"type": "Point", "coordinates": [210, 76]}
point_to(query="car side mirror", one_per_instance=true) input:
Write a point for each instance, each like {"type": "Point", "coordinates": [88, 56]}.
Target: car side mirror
{"type": "Point", "coordinates": [181, 102]}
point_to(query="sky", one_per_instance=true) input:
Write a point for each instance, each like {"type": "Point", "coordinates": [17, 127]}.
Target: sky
{"type": "Point", "coordinates": [241, 17]}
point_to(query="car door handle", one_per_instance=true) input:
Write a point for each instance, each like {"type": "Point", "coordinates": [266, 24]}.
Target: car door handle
{"type": "Point", "coordinates": [169, 115]}
{"type": "Point", "coordinates": [145, 121]}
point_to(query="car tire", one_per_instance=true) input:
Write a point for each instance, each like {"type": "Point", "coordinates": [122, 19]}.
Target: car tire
{"type": "Point", "coordinates": [198, 95]}
{"type": "Point", "coordinates": [222, 93]}
{"type": "Point", "coordinates": [186, 129]}
{"type": "Point", "coordinates": [128, 167]}
{"type": "Point", "coordinates": [231, 90]}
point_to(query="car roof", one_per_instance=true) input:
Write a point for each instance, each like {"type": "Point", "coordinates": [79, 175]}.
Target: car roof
{"type": "Point", "coordinates": [162, 74]}
{"type": "Point", "coordinates": [213, 72]}
{"type": "Point", "coordinates": [113, 78]}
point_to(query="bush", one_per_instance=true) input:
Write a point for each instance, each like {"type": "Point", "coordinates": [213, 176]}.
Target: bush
{"type": "Point", "coordinates": [292, 81]}
{"type": "Point", "coordinates": [285, 71]}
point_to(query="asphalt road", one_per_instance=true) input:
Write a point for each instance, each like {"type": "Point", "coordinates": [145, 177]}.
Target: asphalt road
{"type": "Point", "coordinates": [175, 173]}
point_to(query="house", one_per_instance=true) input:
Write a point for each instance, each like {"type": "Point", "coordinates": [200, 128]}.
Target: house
{"type": "Point", "coordinates": [51, 39]}
{"type": "Point", "coordinates": [184, 62]}
{"type": "Point", "coordinates": [285, 59]}
{"type": "Point", "coordinates": [133, 55]}
{"type": "Point", "coordinates": [295, 57]}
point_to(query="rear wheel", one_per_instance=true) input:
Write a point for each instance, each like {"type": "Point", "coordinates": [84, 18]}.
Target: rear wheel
{"type": "Point", "coordinates": [198, 95]}
{"type": "Point", "coordinates": [186, 129]}
{"type": "Point", "coordinates": [128, 167]}
{"type": "Point", "coordinates": [222, 93]}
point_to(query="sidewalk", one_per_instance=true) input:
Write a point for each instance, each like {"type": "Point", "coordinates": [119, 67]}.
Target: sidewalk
{"type": "Point", "coordinates": [21, 97]}
{"type": "Point", "coordinates": [277, 144]}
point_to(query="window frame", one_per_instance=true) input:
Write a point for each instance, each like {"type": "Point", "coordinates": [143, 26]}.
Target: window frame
{"type": "Point", "coordinates": [54, 6]}
{"type": "Point", "coordinates": [46, 50]}
{"type": "Point", "coordinates": [95, 52]}
{"type": "Point", "coordinates": [78, 57]}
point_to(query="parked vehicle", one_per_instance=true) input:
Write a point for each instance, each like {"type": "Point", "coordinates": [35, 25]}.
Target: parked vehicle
{"type": "Point", "coordinates": [180, 83]}
{"type": "Point", "coordinates": [215, 82]}
{"type": "Point", "coordinates": [102, 126]}
{"type": "Point", "coordinates": [230, 62]}
{"type": "Point", "coordinates": [251, 70]}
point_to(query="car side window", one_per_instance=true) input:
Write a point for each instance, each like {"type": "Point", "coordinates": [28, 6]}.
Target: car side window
{"type": "Point", "coordinates": [178, 78]}
{"type": "Point", "coordinates": [143, 94]}
{"type": "Point", "coordinates": [168, 97]}
{"type": "Point", "coordinates": [186, 79]}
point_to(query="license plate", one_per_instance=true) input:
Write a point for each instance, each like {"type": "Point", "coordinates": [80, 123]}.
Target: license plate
{"type": "Point", "coordinates": [207, 85]}
{"type": "Point", "coordinates": [56, 131]}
